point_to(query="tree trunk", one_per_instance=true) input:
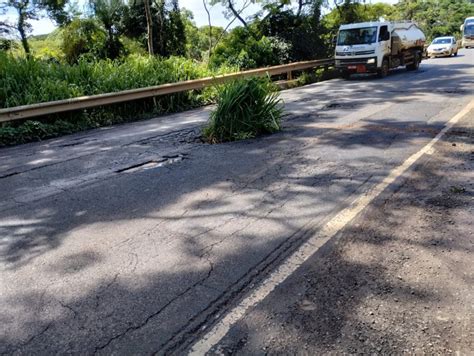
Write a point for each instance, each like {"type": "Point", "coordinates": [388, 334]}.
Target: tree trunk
{"type": "Point", "coordinates": [21, 30]}
{"type": "Point", "coordinates": [149, 27]}
{"type": "Point", "coordinates": [210, 27]}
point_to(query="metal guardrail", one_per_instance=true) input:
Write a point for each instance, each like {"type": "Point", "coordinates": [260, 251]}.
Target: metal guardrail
{"type": "Point", "coordinates": [85, 102]}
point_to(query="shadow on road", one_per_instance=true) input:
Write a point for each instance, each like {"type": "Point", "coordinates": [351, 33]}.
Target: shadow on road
{"type": "Point", "coordinates": [223, 209]}
{"type": "Point", "coordinates": [396, 281]}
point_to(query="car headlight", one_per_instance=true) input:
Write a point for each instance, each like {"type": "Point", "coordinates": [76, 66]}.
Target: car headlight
{"type": "Point", "coordinates": [371, 61]}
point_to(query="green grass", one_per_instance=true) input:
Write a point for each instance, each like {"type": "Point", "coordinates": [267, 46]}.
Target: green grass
{"type": "Point", "coordinates": [27, 81]}
{"type": "Point", "coordinates": [245, 109]}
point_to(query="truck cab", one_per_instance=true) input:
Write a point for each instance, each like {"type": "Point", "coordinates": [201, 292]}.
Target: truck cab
{"type": "Point", "coordinates": [467, 30]}
{"type": "Point", "coordinates": [375, 47]}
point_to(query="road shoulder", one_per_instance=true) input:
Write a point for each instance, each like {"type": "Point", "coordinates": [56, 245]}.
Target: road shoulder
{"type": "Point", "coordinates": [398, 279]}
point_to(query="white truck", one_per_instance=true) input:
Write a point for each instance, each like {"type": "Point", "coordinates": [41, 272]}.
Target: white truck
{"type": "Point", "coordinates": [467, 30]}
{"type": "Point", "coordinates": [377, 47]}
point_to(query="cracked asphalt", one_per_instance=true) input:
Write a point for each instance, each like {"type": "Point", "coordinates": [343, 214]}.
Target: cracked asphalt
{"type": "Point", "coordinates": [135, 238]}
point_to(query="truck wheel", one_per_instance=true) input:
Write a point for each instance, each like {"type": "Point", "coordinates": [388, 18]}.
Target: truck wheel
{"type": "Point", "coordinates": [416, 63]}
{"type": "Point", "coordinates": [346, 75]}
{"type": "Point", "coordinates": [383, 71]}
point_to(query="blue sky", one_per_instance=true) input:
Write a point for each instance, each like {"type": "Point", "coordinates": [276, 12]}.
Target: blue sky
{"type": "Point", "coordinates": [44, 25]}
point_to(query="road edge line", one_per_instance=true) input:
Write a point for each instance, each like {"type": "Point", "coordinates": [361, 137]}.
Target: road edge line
{"type": "Point", "coordinates": [312, 245]}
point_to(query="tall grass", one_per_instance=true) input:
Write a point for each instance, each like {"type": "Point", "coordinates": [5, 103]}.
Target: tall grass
{"type": "Point", "coordinates": [246, 108]}
{"type": "Point", "coordinates": [27, 81]}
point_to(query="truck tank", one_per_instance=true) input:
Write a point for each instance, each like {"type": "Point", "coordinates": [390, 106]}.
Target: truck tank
{"type": "Point", "coordinates": [406, 35]}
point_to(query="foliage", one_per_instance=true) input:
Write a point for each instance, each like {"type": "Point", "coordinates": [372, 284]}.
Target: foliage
{"type": "Point", "coordinates": [6, 44]}
{"type": "Point", "coordinates": [242, 49]}
{"type": "Point", "coordinates": [26, 81]}
{"type": "Point", "coordinates": [109, 12]}
{"type": "Point", "coordinates": [245, 108]}
{"type": "Point", "coordinates": [47, 47]}
{"type": "Point", "coordinates": [198, 43]}
{"type": "Point", "coordinates": [169, 34]}
{"type": "Point", "coordinates": [436, 17]}
{"type": "Point", "coordinates": [299, 26]}
{"type": "Point", "coordinates": [176, 31]}
{"type": "Point", "coordinates": [83, 37]}
{"type": "Point", "coordinates": [317, 75]}
{"type": "Point", "coordinates": [28, 10]}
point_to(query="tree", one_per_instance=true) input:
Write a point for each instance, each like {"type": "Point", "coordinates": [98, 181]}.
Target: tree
{"type": "Point", "coordinates": [199, 41]}
{"type": "Point", "coordinates": [176, 31]}
{"type": "Point", "coordinates": [28, 10]}
{"type": "Point", "coordinates": [243, 50]}
{"type": "Point", "coordinates": [292, 22]}
{"type": "Point", "coordinates": [165, 34]}
{"type": "Point", "coordinates": [149, 27]}
{"type": "Point", "coordinates": [436, 17]}
{"type": "Point", "coordinates": [83, 37]}
{"type": "Point", "coordinates": [109, 13]}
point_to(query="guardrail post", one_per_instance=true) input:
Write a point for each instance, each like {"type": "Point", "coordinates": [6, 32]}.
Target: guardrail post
{"type": "Point", "coordinates": [289, 75]}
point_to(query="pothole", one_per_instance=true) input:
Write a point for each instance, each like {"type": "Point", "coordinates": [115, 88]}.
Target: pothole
{"type": "Point", "coordinates": [154, 163]}
{"type": "Point", "coordinates": [451, 91]}
{"type": "Point", "coordinates": [176, 137]}
{"type": "Point", "coordinates": [343, 105]}
{"type": "Point", "coordinates": [304, 100]}
{"type": "Point", "coordinates": [76, 142]}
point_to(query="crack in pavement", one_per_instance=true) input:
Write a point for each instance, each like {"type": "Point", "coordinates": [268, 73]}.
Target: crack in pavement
{"type": "Point", "coordinates": [68, 307]}
{"type": "Point", "coordinates": [104, 289]}
{"type": "Point", "coordinates": [97, 349]}
{"type": "Point", "coordinates": [32, 338]}
{"type": "Point", "coordinates": [187, 334]}
{"type": "Point", "coordinates": [205, 255]}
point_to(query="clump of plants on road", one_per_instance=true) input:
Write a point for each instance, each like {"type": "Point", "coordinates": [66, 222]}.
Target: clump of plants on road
{"type": "Point", "coordinates": [245, 109]}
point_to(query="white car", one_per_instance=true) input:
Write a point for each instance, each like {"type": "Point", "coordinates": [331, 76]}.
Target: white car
{"type": "Point", "coordinates": [443, 46]}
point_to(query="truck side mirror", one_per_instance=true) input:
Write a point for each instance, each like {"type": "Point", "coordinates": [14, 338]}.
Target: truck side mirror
{"type": "Point", "coordinates": [334, 40]}
{"type": "Point", "coordinates": [385, 36]}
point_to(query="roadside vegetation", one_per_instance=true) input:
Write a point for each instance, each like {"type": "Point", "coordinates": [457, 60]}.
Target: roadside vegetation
{"type": "Point", "coordinates": [246, 108]}
{"type": "Point", "coordinates": [113, 45]}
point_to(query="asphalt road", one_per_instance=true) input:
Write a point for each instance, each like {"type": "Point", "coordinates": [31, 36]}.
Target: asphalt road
{"type": "Point", "coordinates": [396, 280]}
{"type": "Point", "coordinates": [135, 238]}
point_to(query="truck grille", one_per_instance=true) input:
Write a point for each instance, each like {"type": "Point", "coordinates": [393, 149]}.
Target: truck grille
{"type": "Point", "coordinates": [353, 60]}
{"type": "Point", "coordinates": [356, 53]}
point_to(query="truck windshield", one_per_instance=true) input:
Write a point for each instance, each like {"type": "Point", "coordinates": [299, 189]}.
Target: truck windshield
{"type": "Point", "coordinates": [469, 29]}
{"type": "Point", "coordinates": [353, 36]}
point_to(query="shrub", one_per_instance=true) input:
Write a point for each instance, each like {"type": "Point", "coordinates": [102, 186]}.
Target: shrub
{"type": "Point", "coordinates": [28, 81]}
{"type": "Point", "coordinates": [83, 37]}
{"type": "Point", "coordinates": [243, 49]}
{"type": "Point", "coordinates": [245, 109]}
